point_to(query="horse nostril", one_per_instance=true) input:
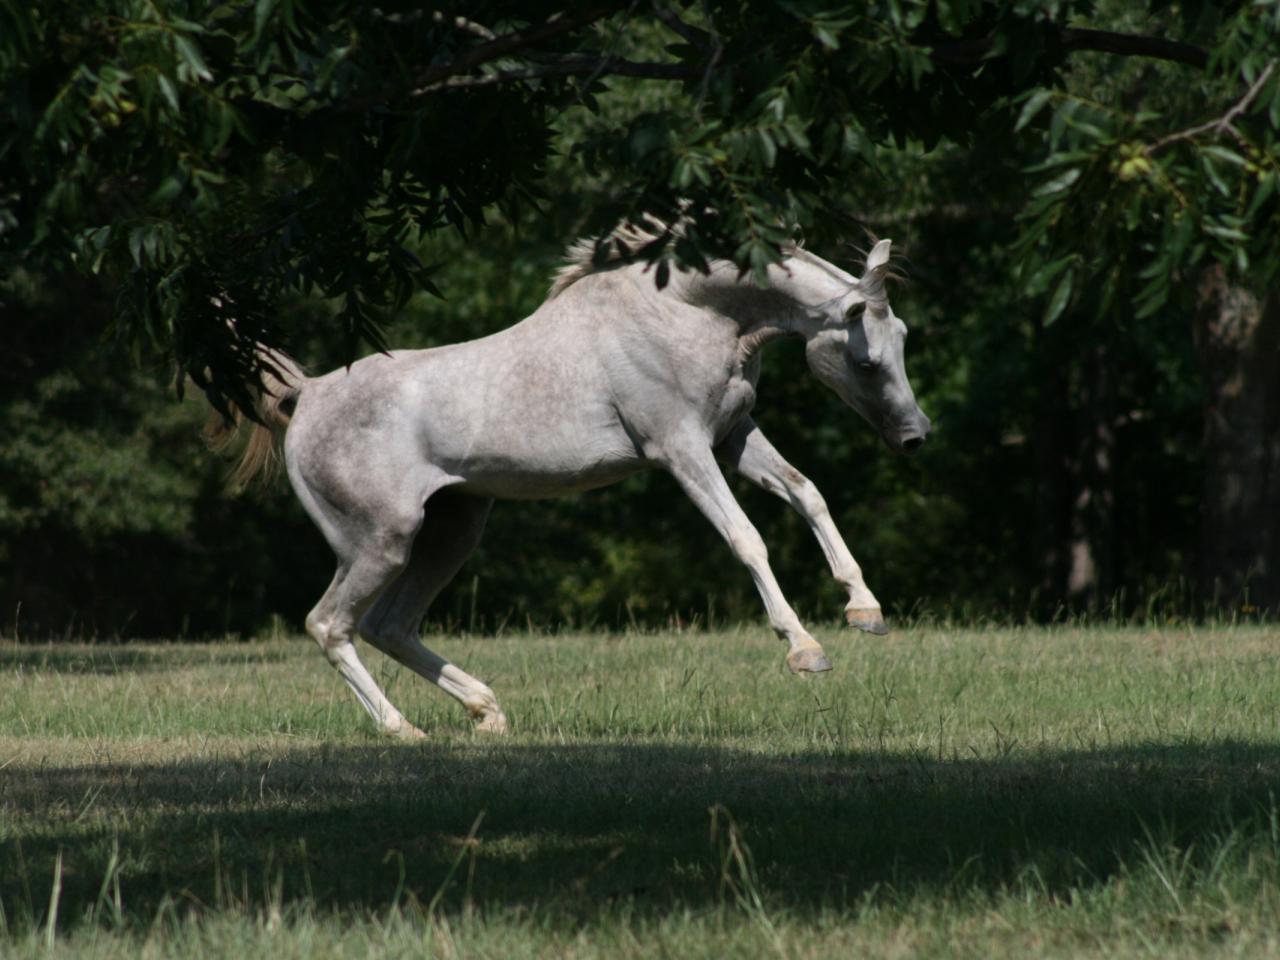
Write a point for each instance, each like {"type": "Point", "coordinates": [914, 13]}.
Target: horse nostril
{"type": "Point", "coordinates": [912, 444]}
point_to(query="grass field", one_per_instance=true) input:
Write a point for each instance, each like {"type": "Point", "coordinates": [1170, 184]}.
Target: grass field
{"type": "Point", "coordinates": [945, 792]}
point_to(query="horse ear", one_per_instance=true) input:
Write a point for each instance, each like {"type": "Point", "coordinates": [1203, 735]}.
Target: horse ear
{"type": "Point", "coordinates": [872, 282]}
{"type": "Point", "coordinates": [879, 255]}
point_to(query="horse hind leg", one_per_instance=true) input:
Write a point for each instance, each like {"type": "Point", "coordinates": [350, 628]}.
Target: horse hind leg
{"type": "Point", "coordinates": [332, 624]}
{"type": "Point", "coordinates": [452, 526]}
{"type": "Point", "coordinates": [372, 547]}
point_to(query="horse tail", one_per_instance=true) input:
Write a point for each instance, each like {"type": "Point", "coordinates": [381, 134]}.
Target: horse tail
{"type": "Point", "coordinates": [282, 381]}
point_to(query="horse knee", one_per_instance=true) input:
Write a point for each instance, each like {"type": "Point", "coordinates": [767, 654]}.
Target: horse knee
{"type": "Point", "coordinates": [810, 500]}
{"type": "Point", "coordinates": [749, 547]}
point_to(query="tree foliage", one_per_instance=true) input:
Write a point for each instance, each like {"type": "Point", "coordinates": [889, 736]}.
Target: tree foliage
{"type": "Point", "coordinates": [1065, 170]}
{"type": "Point", "coordinates": [210, 161]}
{"type": "Point", "coordinates": [1127, 192]}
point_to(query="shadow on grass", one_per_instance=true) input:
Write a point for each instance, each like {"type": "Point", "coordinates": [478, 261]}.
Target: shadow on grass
{"type": "Point", "coordinates": [575, 829]}
{"type": "Point", "coordinates": [109, 659]}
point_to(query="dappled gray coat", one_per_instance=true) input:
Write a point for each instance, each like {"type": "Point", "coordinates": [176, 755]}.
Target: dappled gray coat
{"type": "Point", "coordinates": [398, 458]}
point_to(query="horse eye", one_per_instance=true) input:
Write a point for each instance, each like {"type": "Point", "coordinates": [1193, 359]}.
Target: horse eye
{"type": "Point", "coordinates": [855, 310]}
{"type": "Point", "coordinates": [866, 365]}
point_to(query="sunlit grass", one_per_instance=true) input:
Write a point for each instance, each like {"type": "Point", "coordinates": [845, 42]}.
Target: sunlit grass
{"type": "Point", "coordinates": [943, 791]}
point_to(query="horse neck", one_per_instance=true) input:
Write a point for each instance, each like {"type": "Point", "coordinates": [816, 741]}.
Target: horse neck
{"type": "Point", "coordinates": [762, 314]}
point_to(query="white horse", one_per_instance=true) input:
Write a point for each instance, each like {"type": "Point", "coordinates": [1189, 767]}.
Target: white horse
{"type": "Point", "coordinates": [399, 457]}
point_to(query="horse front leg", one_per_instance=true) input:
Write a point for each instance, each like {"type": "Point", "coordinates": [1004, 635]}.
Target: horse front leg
{"type": "Point", "coordinates": [749, 452]}
{"type": "Point", "coordinates": [694, 466]}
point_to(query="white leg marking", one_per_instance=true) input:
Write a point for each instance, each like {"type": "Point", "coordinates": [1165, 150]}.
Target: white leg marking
{"type": "Point", "coordinates": [332, 625]}
{"type": "Point", "coordinates": [476, 696]}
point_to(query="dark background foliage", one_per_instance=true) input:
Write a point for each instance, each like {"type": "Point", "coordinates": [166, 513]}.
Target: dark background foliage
{"type": "Point", "coordinates": [1089, 237]}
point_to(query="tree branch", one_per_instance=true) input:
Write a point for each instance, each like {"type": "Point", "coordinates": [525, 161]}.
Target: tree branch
{"type": "Point", "coordinates": [456, 73]}
{"type": "Point", "coordinates": [1079, 38]}
{"type": "Point", "coordinates": [1134, 45]}
{"type": "Point", "coordinates": [469, 26]}
{"type": "Point", "coordinates": [577, 66]}
{"type": "Point", "coordinates": [692, 35]}
{"type": "Point", "coordinates": [1224, 123]}
{"type": "Point", "coordinates": [432, 77]}
{"type": "Point", "coordinates": [510, 43]}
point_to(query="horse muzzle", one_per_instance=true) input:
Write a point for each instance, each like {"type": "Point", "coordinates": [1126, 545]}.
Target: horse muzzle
{"type": "Point", "coordinates": [911, 438]}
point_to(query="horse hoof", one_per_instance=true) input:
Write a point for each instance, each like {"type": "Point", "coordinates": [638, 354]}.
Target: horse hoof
{"type": "Point", "coordinates": [495, 722]}
{"type": "Point", "coordinates": [808, 660]}
{"type": "Point", "coordinates": [869, 619]}
{"type": "Point", "coordinates": [406, 732]}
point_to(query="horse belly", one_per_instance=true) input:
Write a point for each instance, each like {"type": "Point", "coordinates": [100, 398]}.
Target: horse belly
{"type": "Point", "coordinates": [524, 483]}
{"type": "Point", "coordinates": [544, 461]}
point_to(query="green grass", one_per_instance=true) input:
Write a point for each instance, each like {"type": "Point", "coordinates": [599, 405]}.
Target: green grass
{"type": "Point", "coordinates": [1062, 792]}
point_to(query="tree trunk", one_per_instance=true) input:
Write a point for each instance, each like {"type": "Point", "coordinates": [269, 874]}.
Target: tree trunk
{"type": "Point", "coordinates": [1055, 473]}
{"type": "Point", "coordinates": [1237, 337]}
{"type": "Point", "coordinates": [1075, 519]}
{"type": "Point", "coordinates": [1091, 574]}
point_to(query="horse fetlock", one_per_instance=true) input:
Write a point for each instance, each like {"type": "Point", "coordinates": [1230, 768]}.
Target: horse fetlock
{"type": "Point", "coordinates": [483, 708]}
{"type": "Point", "coordinates": [869, 619]}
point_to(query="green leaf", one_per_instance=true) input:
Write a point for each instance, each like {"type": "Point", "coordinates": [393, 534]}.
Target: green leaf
{"type": "Point", "coordinates": [190, 55]}
{"type": "Point", "coordinates": [1266, 187]}
{"type": "Point", "coordinates": [261, 14]}
{"type": "Point", "coordinates": [1035, 103]}
{"type": "Point", "coordinates": [1041, 279]}
{"type": "Point", "coordinates": [1090, 130]}
{"type": "Point", "coordinates": [1214, 176]}
{"type": "Point", "coordinates": [1061, 295]}
{"type": "Point", "coordinates": [767, 147]}
{"type": "Point", "coordinates": [1225, 233]}
{"type": "Point", "coordinates": [168, 90]}
{"type": "Point", "coordinates": [1222, 153]}
{"type": "Point", "coordinates": [826, 37]}
{"type": "Point", "coordinates": [136, 237]}
{"type": "Point", "coordinates": [1059, 160]}
{"type": "Point", "coordinates": [1058, 183]}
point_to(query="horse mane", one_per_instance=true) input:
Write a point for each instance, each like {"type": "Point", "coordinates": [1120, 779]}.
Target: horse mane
{"type": "Point", "coordinates": [619, 245]}
{"type": "Point", "coordinates": [580, 259]}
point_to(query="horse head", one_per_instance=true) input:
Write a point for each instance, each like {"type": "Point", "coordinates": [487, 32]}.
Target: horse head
{"type": "Point", "coordinates": [858, 351]}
